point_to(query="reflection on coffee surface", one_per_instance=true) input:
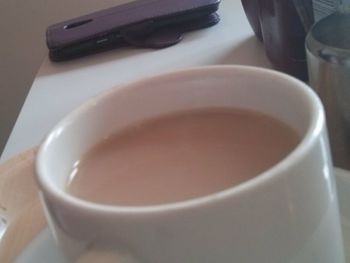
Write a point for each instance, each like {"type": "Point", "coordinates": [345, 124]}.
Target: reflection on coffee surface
{"type": "Point", "coordinates": [181, 156]}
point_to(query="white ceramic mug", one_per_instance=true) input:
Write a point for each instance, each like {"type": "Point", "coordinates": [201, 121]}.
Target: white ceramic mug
{"type": "Point", "coordinates": [286, 214]}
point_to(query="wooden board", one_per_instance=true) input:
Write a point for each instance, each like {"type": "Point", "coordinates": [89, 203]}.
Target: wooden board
{"type": "Point", "coordinates": [21, 215]}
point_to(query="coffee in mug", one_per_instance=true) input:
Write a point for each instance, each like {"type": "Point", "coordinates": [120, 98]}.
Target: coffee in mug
{"type": "Point", "coordinates": [181, 156]}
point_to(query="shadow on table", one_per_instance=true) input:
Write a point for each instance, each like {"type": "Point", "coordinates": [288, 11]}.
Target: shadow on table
{"type": "Point", "coordinates": [49, 67]}
{"type": "Point", "coordinates": [249, 52]}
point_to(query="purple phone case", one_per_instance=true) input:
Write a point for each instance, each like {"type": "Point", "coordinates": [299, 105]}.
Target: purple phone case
{"type": "Point", "coordinates": [139, 17]}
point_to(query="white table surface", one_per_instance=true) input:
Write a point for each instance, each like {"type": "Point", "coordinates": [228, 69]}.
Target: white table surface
{"type": "Point", "coordinates": [60, 87]}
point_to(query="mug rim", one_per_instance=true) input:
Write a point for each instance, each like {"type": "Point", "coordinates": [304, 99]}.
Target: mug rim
{"type": "Point", "coordinates": [314, 128]}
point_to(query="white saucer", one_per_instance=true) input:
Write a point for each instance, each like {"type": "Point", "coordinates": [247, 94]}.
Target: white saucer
{"type": "Point", "coordinates": [43, 249]}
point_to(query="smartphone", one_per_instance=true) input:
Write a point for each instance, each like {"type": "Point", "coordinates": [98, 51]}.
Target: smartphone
{"type": "Point", "coordinates": [141, 23]}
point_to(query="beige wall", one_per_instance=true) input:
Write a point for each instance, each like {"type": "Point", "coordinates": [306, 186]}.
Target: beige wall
{"type": "Point", "coordinates": [22, 47]}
